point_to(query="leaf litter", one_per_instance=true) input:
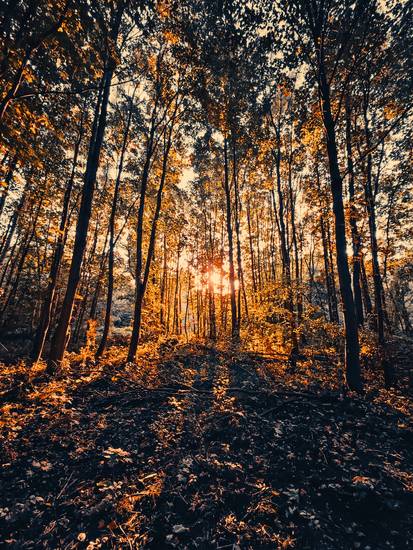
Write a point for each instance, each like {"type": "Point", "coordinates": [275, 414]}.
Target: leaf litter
{"type": "Point", "coordinates": [205, 448]}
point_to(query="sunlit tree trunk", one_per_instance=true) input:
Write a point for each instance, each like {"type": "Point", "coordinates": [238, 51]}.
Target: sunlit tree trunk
{"type": "Point", "coordinates": [292, 200]}
{"type": "Point", "coordinates": [251, 251]}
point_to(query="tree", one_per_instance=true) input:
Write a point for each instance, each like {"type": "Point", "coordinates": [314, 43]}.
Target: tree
{"type": "Point", "coordinates": [99, 124]}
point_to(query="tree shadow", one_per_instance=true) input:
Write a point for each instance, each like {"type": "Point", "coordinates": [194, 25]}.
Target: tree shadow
{"type": "Point", "coordinates": [139, 459]}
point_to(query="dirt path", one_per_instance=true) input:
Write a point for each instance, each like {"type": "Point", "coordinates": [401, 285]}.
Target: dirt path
{"type": "Point", "coordinates": [227, 455]}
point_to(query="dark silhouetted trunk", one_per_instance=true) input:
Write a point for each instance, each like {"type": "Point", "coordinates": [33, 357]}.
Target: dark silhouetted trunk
{"type": "Point", "coordinates": [111, 254]}
{"type": "Point", "coordinates": [60, 338]}
{"type": "Point", "coordinates": [11, 227]}
{"type": "Point", "coordinates": [352, 346]}
{"type": "Point", "coordinates": [45, 314]}
{"type": "Point", "coordinates": [7, 181]}
{"type": "Point", "coordinates": [234, 318]}
{"type": "Point", "coordinates": [142, 274]}
{"type": "Point", "coordinates": [388, 372]}
{"type": "Point", "coordinates": [285, 255]}
{"type": "Point", "coordinates": [355, 235]}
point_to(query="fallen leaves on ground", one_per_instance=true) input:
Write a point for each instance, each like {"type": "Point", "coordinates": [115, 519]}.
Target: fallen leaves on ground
{"type": "Point", "coordinates": [205, 448]}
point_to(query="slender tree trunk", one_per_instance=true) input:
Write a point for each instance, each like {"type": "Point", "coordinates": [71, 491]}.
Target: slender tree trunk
{"type": "Point", "coordinates": [365, 287]}
{"type": "Point", "coordinates": [60, 338]}
{"type": "Point", "coordinates": [188, 295]}
{"type": "Point", "coordinates": [251, 250]}
{"type": "Point", "coordinates": [294, 242]}
{"type": "Point", "coordinates": [7, 181]}
{"type": "Point", "coordinates": [141, 283]}
{"type": "Point", "coordinates": [241, 282]}
{"type": "Point", "coordinates": [163, 283]}
{"type": "Point", "coordinates": [327, 254]}
{"type": "Point", "coordinates": [9, 233]}
{"type": "Point", "coordinates": [327, 271]}
{"type": "Point", "coordinates": [84, 288]}
{"type": "Point", "coordinates": [371, 212]}
{"type": "Point", "coordinates": [355, 235]}
{"type": "Point", "coordinates": [234, 319]}
{"type": "Point", "coordinates": [111, 256]}
{"type": "Point", "coordinates": [388, 371]}
{"type": "Point", "coordinates": [332, 274]}
{"type": "Point", "coordinates": [285, 255]}
{"type": "Point", "coordinates": [23, 254]}
{"type": "Point", "coordinates": [352, 347]}
{"type": "Point", "coordinates": [176, 317]}
{"type": "Point", "coordinates": [45, 315]}
{"type": "Point", "coordinates": [136, 327]}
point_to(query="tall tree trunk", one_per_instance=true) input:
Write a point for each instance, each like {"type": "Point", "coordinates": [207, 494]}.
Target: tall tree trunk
{"type": "Point", "coordinates": [163, 283]}
{"type": "Point", "coordinates": [234, 318]}
{"type": "Point", "coordinates": [355, 234]}
{"type": "Point", "coordinates": [7, 181]}
{"type": "Point", "coordinates": [142, 274]}
{"type": "Point", "coordinates": [176, 309]}
{"type": "Point", "coordinates": [352, 346]}
{"type": "Point", "coordinates": [251, 250]}
{"type": "Point", "coordinates": [45, 315]}
{"type": "Point", "coordinates": [295, 242]}
{"type": "Point", "coordinates": [332, 313]}
{"type": "Point", "coordinates": [60, 338]}
{"type": "Point", "coordinates": [111, 256]}
{"type": "Point", "coordinates": [388, 372]}
{"type": "Point", "coordinates": [371, 212]}
{"type": "Point", "coordinates": [327, 254]}
{"type": "Point", "coordinates": [241, 282]}
{"type": "Point", "coordinates": [285, 255]}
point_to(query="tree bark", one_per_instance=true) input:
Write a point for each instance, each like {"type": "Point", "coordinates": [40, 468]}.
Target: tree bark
{"type": "Point", "coordinates": [111, 255]}
{"type": "Point", "coordinates": [45, 315]}
{"type": "Point", "coordinates": [142, 281]}
{"type": "Point", "coordinates": [355, 234]}
{"type": "Point", "coordinates": [59, 341]}
{"type": "Point", "coordinates": [352, 346]}
{"type": "Point", "coordinates": [234, 319]}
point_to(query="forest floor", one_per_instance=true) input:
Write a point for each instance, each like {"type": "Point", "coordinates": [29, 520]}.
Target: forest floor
{"type": "Point", "coordinates": [197, 447]}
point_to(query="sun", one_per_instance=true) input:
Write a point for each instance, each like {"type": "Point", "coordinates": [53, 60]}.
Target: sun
{"type": "Point", "coordinates": [215, 279]}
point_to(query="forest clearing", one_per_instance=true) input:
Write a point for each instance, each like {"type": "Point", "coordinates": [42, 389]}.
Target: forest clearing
{"type": "Point", "coordinates": [206, 274]}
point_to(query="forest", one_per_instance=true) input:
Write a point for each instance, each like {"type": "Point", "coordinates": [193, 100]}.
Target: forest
{"type": "Point", "coordinates": [206, 274]}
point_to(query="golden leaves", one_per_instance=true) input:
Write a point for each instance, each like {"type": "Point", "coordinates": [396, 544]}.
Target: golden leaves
{"type": "Point", "coordinates": [391, 111]}
{"type": "Point", "coordinates": [164, 8]}
{"type": "Point", "coordinates": [311, 136]}
{"type": "Point", "coordinates": [170, 37]}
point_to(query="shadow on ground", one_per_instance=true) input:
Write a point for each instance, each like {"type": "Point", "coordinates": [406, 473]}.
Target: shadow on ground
{"type": "Point", "coordinates": [204, 448]}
